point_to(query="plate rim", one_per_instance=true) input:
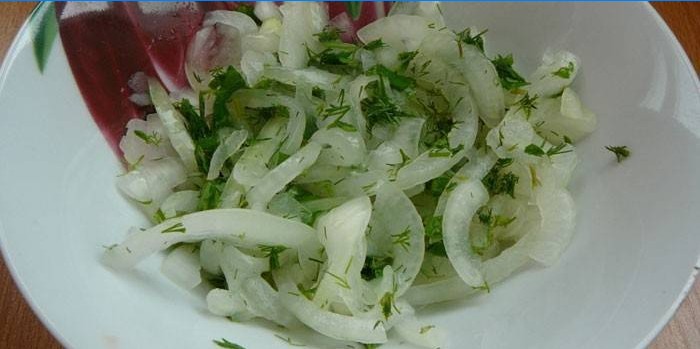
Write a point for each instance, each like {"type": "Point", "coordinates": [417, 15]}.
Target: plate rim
{"type": "Point", "coordinates": [18, 43]}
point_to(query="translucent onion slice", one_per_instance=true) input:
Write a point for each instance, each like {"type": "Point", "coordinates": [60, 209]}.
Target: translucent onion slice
{"type": "Point", "coordinates": [398, 228]}
{"type": "Point", "coordinates": [423, 335]}
{"type": "Point", "coordinates": [263, 301]}
{"type": "Point", "coordinates": [341, 148]}
{"type": "Point", "coordinates": [401, 32]}
{"type": "Point", "coordinates": [210, 256]}
{"type": "Point", "coordinates": [425, 167]}
{"type": "Point", "coordinates": [252, 165]}
{"type": "Point", "coordinates": [476, 69]}
{"type": "Point", "coordinates": [151, 144]}
{"type": "Point", "coordinates": [225, 150]}
{"type": "Point", "coordinates": [462, 204]}
{"type": "Point", "coordinates": [265, 10]}
{"type": "Point", "coordinates": [479, 164]}
{"type": "Point", "coordinates": [430, 10]}
{"type": "Point", "coordinates": [182, 267]}
{"type": "Point", "coordinates": [240, 227]}
{"type": "Point", "coordinates": [342, 233]}
{"type": "Point", "coordinates": [438, 291]}
{"type": "Point", "coordinates": [264, 99]}
{"type": "Point", "coordinates": [300, 21]}
{"type": "Point", "coordinates": [558, 70]}
{"type": "Point", "coordinates": [274, 181]}
{"type": "Point", "coordinates": [179, 203]}
{"type": "Point", "coordinates": [558, 220]}
{"type": "Point", "coordinates": [172, 121]}
{"type": "Point", "coordinates": [226, 303]}
{"type": "Point", "coordinates": [311, 76]}
{"type": "Point", "coordinates": [342, 327]}
{"type": "Point", "coordinates": [152, 182]}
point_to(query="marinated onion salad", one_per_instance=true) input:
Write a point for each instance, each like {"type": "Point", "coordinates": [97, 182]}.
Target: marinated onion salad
{"type": "Point", "coordinates": [336, 186]}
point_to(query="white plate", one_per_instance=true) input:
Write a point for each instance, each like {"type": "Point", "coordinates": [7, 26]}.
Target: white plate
{"type": "Point", "coordinates": [628, 268]}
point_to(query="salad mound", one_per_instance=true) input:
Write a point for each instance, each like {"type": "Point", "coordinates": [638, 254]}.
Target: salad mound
{"type": "Point", "coordinates": [334, 185]}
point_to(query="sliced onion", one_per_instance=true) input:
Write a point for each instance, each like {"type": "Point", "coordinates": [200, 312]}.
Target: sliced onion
{"type": "Point", "coordinates": [179, 203]}
{"type": "Point", "coordinates": [234, 261]}
{"type": "Point", "coordinates": [342, 327]}
{"type": "Point", "coordinates": [210, 256]}
{"type": "Point", "coordinates": [252, 165]}
{"type": "Point", "coordinates": [420, 334]}
{"type": "Point", "coordinates": [152, 182]}
{"type": "Point", "coordinates": [240, 227]}
{"type": "Point", "coordinates": [400, 32]}
{"type": "Point", "coordinates": [476, 69]}
{"type": "Point", "coordinates": [397, 227]}
{"type": "Point", "coordinates": [430, 10]}
{"type": "Point", "coordinates": [172, 121]}
{"type": "Point", "coordinates": [253, 63]}
{"type": "Point", "coordinates": [263, 301]}
{"type": "Point", "coordinates": [344, 148]}
{"type": "Point", "coordinates": [301, 20]}
{"type": "Point", "coordinates": [265, 10]}
{"type": "Point", "coordinates": [342, 233]}
{"type": "Point", "coordinates": [311, 76]}
{"type": "Point", "coordinates": [439, 291]}
{"type": "Point", "coordinates": [275, 180]}
{"type": "Point", "coordinates": [558, 220]}
{"type": "Point", "coordinates": [547, 80]}
{"type": "Point", "coordinates": [480, 163]}
{"type": "Point", "coordinates": [226, 303]}
{"type": "Point", "coordinates": [155, 146]}
{"type": "Point", "coordinates": [225, 150]}
{"type": "Point", "coordinates": [182, 267]}
{"type": "Point", "coordinates": [464, 200]}
{"type": "Point", "coordinates": [426, 167]}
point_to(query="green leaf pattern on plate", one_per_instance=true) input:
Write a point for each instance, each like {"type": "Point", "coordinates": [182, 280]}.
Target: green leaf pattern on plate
{"type": "Point", "coordinates": [354, 9]}
{"type": "Point", "coordinates": [44, 29]}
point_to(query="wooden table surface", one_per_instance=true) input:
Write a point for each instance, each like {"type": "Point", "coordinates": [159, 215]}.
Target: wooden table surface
{"type": "Point", "coordinates": [19, 327]}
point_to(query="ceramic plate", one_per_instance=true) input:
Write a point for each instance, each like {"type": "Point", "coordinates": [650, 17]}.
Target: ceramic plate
{"type": "Point", "coordinates": [627, 269]}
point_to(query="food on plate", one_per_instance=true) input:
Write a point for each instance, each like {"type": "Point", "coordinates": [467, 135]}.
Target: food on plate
{"type": "Point", "coordinates": [336, 185]}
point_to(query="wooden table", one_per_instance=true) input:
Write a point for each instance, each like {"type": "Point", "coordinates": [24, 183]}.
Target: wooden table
{"type": "Point", "coordinates": [19, 327]}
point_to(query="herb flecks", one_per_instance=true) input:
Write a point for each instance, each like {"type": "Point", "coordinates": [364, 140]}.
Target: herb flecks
{"type": "Point", "coordinates": [224, 343]}
{"type": "Point", "coordinates": [433, 236]}
{"type": "Point", "coordinates": [374, 267]}
{"type": "Point", "coordinates": [536, 150]}
{"type": "Point", "coordinates": [402, 239]}
{"type": "Point", "coordinates": [175, 228]}
{"type": "Point", "coordinates": [484, 287]}
{"type": "Point", "coordinates": [340, 281]}
{"type": "Point", "coordinates": [248, 10]}
{"type": "Point", "coordinates": [510, 79]}
{"type": "Point", "coordinates": [491, 222]}
{"type": "Point", "coordinates": [466, 37]}
{"type": "Point", "coordinates": [378, 107]}
{"type": "Point", "coordinates": [425, 329]}
{"type": "Point", "coordinates": [388, 305]}
{"type": "Point", "coordinates": [338, 123]}
{"type": "Point", "coordinates": [153, 138]}
{"type": "Point", "coordinates": [621, 152]}
{"type": "Point", "coordinates": [405, 58]}
{"type": "Point", "coordinates": [373, 45]}
{"type": "Point", "coordinates": [210, 195]}
{"type": "Point", "coordinates": [272, 253]}
{"type": "Point", "coordinates": [498, 181]}
{"type": "Point", "coordinates": [289, 341]}
{"type": "Point", "coordinates": [565, 72]}
{"type": "Point", "coordinates": [396, 80]}
{"type": "Point", "coordinates": [337, 56]}
{"type": "Point", "coordinates": [527, 104]}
